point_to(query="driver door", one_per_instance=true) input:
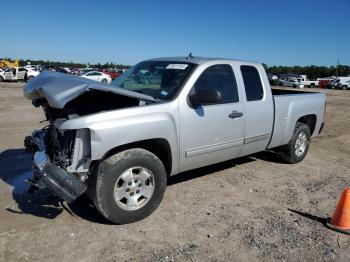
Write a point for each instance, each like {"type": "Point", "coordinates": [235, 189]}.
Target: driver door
{"type": "Point", "coordinates": [215, 132]}
{"type": "Point", "coordinates": [92, 76]}
{"type": "Point", "coordinates": [99, 76]}
{"type": "Point", "coordinates": [21, 73]}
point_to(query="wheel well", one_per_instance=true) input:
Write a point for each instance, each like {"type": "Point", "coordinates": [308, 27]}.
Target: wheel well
{"type": "Point", "coordinates": [158, 146]}
{"type": "Point", "coordinates": [309, 120]}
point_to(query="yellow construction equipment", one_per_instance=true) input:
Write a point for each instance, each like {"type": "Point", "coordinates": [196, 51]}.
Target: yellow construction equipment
{"type": "Point", "coordinates": [7, 63]}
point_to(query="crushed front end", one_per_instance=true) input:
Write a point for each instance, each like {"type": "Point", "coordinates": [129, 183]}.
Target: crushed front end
{"type": "Point", "coordinates": [61, 160]}
{"type": "Point", "coordinates": [62, 155]}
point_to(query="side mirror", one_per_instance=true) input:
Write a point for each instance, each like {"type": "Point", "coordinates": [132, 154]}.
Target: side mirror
{"type": "Point", "coordinates": [205, 97]}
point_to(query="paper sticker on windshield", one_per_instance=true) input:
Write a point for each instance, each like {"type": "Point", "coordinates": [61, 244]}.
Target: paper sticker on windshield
{"type": "Point", "coordinates": [176, 66]}
{"type": "Point", "coordinates": [164, 93]}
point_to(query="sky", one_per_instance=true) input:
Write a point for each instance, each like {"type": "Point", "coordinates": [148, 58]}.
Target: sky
{"type": "Point", "coordinates": [273, 32]}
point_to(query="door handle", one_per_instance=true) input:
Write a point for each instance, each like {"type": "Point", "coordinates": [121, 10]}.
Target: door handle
{"type": "Point", "coordinates": [235, 114]}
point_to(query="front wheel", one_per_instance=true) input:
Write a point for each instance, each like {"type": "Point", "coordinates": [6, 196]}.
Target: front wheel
{"type": "Point", "coordinates": [298, 146]}
{"type": "Point", "coordinates": [29, 78]}
{"type": "Point", "coordinates": [130, 185]}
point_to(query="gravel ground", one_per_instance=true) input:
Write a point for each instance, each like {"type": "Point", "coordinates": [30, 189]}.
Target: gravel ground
{"type": "Point", "coordinates": [250, 209]}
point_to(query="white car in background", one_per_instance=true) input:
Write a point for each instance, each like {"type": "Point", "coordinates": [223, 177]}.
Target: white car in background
{"type": "Point", "coordinates": [19, 73]}
{"type": "Point", "coordinates": [343, 84]}
{"type": "Point", "coordinates": [291, 82]}
{"type": "Point", "coordinates": [32, 67]}
{"type": "Point", "coordinates": [98, 76]}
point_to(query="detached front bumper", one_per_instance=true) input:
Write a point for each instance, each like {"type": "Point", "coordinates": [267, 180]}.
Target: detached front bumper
{"type": "Point", "coordinates": [61, 183]}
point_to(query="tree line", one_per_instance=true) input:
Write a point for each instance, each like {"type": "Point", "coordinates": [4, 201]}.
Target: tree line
{"type": "Point", "coordinates": [313, 72]}
{"type": "Point", "coordinates": [24, 62]}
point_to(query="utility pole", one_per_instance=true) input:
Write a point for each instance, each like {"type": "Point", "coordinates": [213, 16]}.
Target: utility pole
{"type": "Point", "coordinates": [336, 74]}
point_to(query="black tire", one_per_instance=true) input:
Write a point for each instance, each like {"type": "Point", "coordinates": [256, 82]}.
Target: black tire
{"type": "Point", "coordinates": [112, 168]}
{"type": "Point", "coordinates": [1, 79]}
{"type": "Point", "coordinates": [280, 84]}
{"type": "Point", "coordinates": [294, 86]}
{"type": "Point", "coordinates": [312, 85]}
{"type": "Point", "coordinates": [344, 87]}
{"type": "Point", "coordinates": [288, 152]}
{"type": "Point", "coordinates": [104, 80]}
{"type": "Point", "coordinates": [30, 78]}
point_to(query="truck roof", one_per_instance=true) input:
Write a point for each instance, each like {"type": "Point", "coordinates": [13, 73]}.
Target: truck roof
{"type": "Point", "coordinates": [195, 59]}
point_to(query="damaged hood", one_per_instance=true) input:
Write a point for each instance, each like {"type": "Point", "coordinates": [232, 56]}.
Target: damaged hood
{"type": "Point", "coordinates": [59, 88]}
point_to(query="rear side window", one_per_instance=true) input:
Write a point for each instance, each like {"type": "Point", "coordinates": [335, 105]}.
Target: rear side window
{"type": "Point", "coordinates": [221, 78]}
{"type": "Point", "coordinates": [252, 83]}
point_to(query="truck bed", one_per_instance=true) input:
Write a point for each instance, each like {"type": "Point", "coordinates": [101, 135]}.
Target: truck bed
{"type": "Point", "coordinates": [289, 106]}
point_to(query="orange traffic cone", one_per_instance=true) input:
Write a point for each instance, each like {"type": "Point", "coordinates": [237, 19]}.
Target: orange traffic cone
{"type": "Point", "coordinates": [341, 218]}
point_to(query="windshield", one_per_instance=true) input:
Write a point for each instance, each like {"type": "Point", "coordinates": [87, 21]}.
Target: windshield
{"type": "Point", "coordinates": [159, 79]}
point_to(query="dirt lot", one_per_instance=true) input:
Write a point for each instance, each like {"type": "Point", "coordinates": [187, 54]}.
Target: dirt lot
{"type": "Point", "coordinates": [250, 209]}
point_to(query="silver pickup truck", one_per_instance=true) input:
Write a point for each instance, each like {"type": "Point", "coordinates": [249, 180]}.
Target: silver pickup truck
{"type": "Point", "coordinates": [119, 143]}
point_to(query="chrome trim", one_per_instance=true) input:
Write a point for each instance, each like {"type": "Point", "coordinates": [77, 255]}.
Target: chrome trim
{"type": "Point", "coordinates": [212, 148]}
{"type": "Point", "coordinates": [256, 138]}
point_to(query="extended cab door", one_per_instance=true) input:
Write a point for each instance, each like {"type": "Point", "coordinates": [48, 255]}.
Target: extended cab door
{"type": "Point", "coordinates": [211, 133]}
{"type": "Point", "coordinates": [259, 108]}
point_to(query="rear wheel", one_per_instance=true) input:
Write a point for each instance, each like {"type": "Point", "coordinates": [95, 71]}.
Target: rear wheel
{"type": "Point", "coordinates": [104, 80]}
{"type": "Point", "coordinates": [1, 79]}
{"type": "Point", "coordinates": [130, 185]}
{"type": "Point", "coordinates": [344, 87]}
{"type": "Point", "coordinates": [312, 85]}
{"type": "Point", "coordinates": [298, 146]}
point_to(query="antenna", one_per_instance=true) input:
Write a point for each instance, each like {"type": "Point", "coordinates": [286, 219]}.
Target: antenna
{"type": "Point", "coordinates": [189, 56]}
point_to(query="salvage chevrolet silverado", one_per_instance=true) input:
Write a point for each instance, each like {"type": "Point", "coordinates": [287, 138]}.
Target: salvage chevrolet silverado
{"type": "Point", "coordinates": [119, 143]}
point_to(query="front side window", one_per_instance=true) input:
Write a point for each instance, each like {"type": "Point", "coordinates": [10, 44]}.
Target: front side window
{"type": "Point", "coordinates": [221, 78]}
{"type": "Point", "coordinates": [158, 79]}
{"type": "Point", "coordinates": [252, 83]}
